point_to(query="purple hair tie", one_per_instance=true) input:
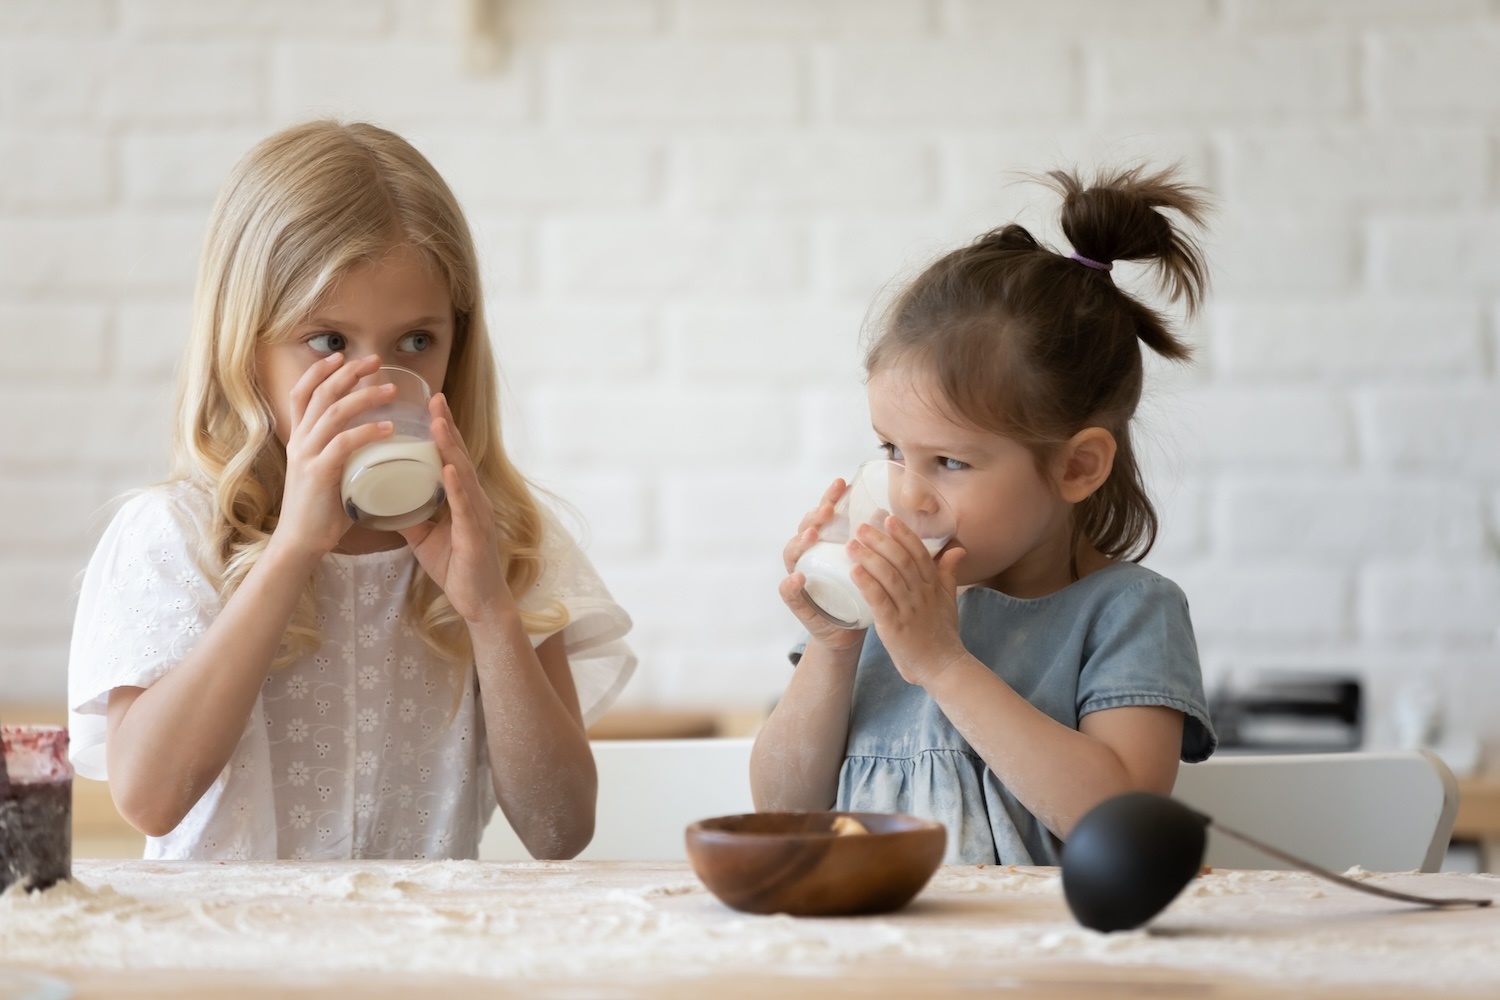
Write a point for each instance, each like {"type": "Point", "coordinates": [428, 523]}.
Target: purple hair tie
{"type": "Point", "coordinates": [1108, 265]}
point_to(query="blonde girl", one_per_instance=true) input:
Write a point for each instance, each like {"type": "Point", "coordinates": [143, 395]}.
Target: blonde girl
{"type": "Point", "coordinates": [1033, 668]}
{"type": "Point", "coordinates": [256, 675]}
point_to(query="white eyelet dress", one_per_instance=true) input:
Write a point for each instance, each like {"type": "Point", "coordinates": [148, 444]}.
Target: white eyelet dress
{"type": "Point", "coordinates": [354, 750]}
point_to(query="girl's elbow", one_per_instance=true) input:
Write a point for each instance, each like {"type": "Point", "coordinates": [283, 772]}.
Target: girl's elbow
{"type": "Point", "coordinates": [561, 845]}
{"type": "Point", "coordinates": [149, 813]}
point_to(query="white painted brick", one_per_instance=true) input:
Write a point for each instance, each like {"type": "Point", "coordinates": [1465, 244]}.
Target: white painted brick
{"type": "Point", "coordinates": [179, 18]}
{"type": "Point", "coordinates": [833, 431]}
{"type": "Point", "coordinates": [1445, 71]}
{"type": "Point", "coordinates": [861, 256]}
{"type": "Point", "coordinates": [1450, 429]}
{"type": "Point", "coordinates": [887, 174]}
{"type": "Point", "coordinates": [1215, 75]}
{"type": "Point", "coordinates": [1434, 254]}
{"type": "Point", "coordinates": [1267, 603]}
{"type": "Point", "coordinates": [49, 84]}
{"type": "Point", "coordinates": [36, 672]}
{"type": "Point", "coordinates": [504, 171]}
{"type": "Point", "coordinates": [650, 424]}
{"type": "Point", "coordinates": [1351, 518]}
{"type": "Point", "coordinates": [538, 340]}
{"type": "Point", "coordinates": [50, 18]}
{"type": "Point", "coordinates": [1182, 518]}
{"type": "Point", "coordinates": [989, 171]}
{"type": "Point", "coordinates": [726, 603]}
{"type": "Point", "coordinates": [1326, 168]}
{"type": "Point", "coordinates": [55, 171]}
{"type": "Point", "coordinates": [157, 252]}
{"type": "Point", "coordinates": [736, 513]}
{"type": "Point", "coordinates": [609, 513]}
{"type": "Point", "coordinates": [792, 18]}
{"type": "Point", "coordinates": [1009, 18]}
{"type": "Point", "coordinates": [1358, 338]}
{"type": "Point", "coordinates": [957, 81]}
{"type": "Point", "coordinates": [37, 597]}
{"type": "Point", "coordinates": [1424, 601]}
{"type": "Point", "coordinates": [1301, 14]}
{"type": "Point", "coordinates": [768, 343]}
{"type": "Point", "coordinates": [646, 255]}
{"type": "Point", "coordinates": [665, 82]}
{"type": "Point", "coordinates": [47, 515]}
{"type": "Point", "coordinates": [49, 342]}
{"type": "Point", "coordinates": [374, 81]}
{"type": "Point", "coordinates": [506, 248]}
{"type": "Point", "coordinates": [152, 338]}
{"type": "Point", "coordinates": [531, 19]}
{"type": "Point", "coordinates": [177, 169]}
{"type": "Point", "coordinates": [87, 427]}
{"type": "Point", "coordinates": [184, 83]}
{"type": "Point", "coordinates": [1256, 255]}
{"type": "Point", "coordinates": [1225, 427]}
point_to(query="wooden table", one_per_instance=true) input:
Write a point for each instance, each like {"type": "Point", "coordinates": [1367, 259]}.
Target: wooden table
{"type": "Point", "coordinates": [618, 930]}
{"type": "Point", "coordinates": [1478, 819]}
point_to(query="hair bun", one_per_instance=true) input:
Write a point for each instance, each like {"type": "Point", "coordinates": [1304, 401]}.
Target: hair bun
{"type": "Point", "coordinates": [1117, 217]}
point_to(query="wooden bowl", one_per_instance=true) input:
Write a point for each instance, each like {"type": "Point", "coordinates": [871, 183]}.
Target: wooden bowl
{"type": "Point", "coordinates": [794, 863]}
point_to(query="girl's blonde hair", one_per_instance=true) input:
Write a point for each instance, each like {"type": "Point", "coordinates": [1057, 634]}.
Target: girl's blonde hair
{"type": "Point", "coordinates": [297, 213]}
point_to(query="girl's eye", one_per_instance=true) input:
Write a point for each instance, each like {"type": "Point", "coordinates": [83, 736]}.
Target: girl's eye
{"type": "Point", "coordinates": [891, 451]}
{"type": "Point", "coordinates": [415, 343]}
{"type": "Point", "coordinates": [952, 464]}
{"type": "Point", "coordinates": [327, 343]}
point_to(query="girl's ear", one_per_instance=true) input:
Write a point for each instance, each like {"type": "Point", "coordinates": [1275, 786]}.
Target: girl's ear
{"type": "Point", "coordinates": [1084, 463]}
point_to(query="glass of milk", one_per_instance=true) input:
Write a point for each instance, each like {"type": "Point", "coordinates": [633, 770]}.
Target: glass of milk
{"type": "Point", "coordinates": [878, 490]}
{"type": "Point", "coordinates": [395, 482]}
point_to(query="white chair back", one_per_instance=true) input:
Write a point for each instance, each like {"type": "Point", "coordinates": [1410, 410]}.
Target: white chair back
{"type": "Point", "coordinates": [649, 791]}
{"type": "Point", "coordinates": [1382, 811]}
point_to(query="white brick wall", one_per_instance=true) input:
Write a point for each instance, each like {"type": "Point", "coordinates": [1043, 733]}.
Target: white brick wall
{"type": "Point", "coordinates": [685, 209]}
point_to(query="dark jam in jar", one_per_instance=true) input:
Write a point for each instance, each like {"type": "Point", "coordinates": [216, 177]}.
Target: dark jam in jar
{"type": "Point", "coordinates": [36, 807]}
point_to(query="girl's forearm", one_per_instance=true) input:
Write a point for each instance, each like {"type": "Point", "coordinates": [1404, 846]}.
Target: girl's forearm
{"type": "Point", "coordinates": [1056, 772]}
{"type": "Point", "coordinates": [169, 742]}
{"type": "Point", "coordinates": [544, 775]}
{"type": "Point", "coordinates": [799, 752]}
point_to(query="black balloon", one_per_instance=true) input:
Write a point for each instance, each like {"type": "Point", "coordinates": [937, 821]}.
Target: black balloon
{"type": "Point", "coordinates": [1130, 856]}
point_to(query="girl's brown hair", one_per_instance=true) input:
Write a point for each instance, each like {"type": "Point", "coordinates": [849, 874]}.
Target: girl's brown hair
{"type": "Point", "coordinates": [1035, 345]}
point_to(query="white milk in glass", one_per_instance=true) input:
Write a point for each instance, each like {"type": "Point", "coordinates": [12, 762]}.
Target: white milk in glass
{"type": "Point", "coordinates": [826, 566]}
{"type": "Point", "coordinates": [880, 489]}
{"type": "Point", "coordinates": [394, 483]}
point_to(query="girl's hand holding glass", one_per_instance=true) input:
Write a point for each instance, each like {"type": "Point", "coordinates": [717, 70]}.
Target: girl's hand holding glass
{"type": "Point", "coordinates": [459, 550]}
{"type": "Point", "coordinates": [913, 596]}
{"type": "Point", "coordinates": [324, 402]}
{"type": "Point", "coordinates": [793, 588]}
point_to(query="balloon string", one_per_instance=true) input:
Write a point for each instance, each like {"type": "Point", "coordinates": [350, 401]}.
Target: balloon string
{"type": "Point", "coordinates": [1373, 890]}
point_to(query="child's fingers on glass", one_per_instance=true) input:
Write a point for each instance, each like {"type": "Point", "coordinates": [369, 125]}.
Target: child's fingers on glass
{"type": "Point", "coordinates": [343, 410]}
{"type": "Point", "coordinates": [878, 565]}
{"type": "Point", "coordinates": [346, 443]}
{"type": "Point", "coordinates": [903, 536]}
{"type": "Point", "coordinates": [794, 597]}
{"type": "Point", "coordinates": [336, 385]}
{"type": "Point", "coordinates": [876, 593]}
{"type": "Point", "coordinates": [800, 543]}
{"type": "Point", "coordinates": [444, 416]}
{"type": "Point", "coordinates": [892, 551]}
{"type": "Point", "coordinates": [312, 378]}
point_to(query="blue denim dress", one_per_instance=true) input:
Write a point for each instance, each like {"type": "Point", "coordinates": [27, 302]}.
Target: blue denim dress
{"type": "Point", "coordinates": [1120, 636]}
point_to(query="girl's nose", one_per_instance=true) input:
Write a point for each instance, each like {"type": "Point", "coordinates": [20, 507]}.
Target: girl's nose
{"type": "Point", "coordinates": [916, 496]}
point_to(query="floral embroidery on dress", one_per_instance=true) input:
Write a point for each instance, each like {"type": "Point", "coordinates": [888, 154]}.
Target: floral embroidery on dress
{"type": "Point", "coordinates": [356, 747]}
